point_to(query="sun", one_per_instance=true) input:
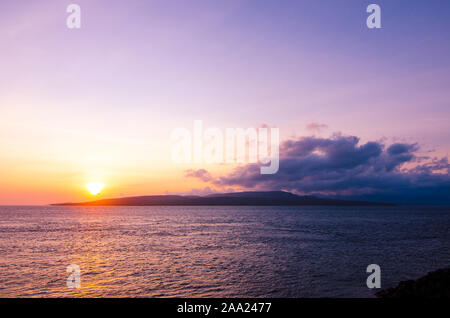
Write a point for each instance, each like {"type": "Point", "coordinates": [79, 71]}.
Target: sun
{"type": "Point", "coordinates": [95, 187]}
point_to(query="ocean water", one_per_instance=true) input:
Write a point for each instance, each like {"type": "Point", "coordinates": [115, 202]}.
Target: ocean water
{"type": "Point", "coordinates": [217, 251]}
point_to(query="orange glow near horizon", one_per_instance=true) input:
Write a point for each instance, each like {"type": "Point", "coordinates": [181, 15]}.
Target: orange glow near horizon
{"type": "Point", "coordinates": [43, 183]}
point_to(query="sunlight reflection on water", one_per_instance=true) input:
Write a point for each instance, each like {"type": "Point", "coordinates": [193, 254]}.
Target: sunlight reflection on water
{"type": "Point", "coordinates": [216, 251]}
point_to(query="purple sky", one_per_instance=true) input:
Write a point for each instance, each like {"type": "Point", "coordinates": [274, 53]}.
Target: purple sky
{"type": "Point", "coordinates": [102, 100]}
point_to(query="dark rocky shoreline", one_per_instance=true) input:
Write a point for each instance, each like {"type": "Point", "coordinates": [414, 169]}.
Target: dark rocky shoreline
{"type": "Point", "coordinates": [433, 285]}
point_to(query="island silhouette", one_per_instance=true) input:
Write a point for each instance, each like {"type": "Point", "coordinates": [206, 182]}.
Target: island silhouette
{"type": "Point", "coordinates": [256, 198]}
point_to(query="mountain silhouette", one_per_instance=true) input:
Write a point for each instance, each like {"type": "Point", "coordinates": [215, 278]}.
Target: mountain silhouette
{"type": "Point", "coordinates": [258, 198]}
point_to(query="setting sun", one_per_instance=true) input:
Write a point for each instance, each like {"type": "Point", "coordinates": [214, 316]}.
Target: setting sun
{"type": "Point", "coordinates": [95, 187]}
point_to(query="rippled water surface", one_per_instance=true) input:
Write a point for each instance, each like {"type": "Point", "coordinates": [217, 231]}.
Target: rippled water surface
{"type": "Point", "coordinates": [217, 251]}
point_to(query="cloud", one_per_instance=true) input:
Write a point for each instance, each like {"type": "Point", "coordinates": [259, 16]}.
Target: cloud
{"type": "Point", "coordinates": [316, 127]}
{"type": "Point", "coordinates": [340, 166]}
{"type": "Point", "coordinates": [201, 174]}
{"type": "Point", "coordinates": [201, 192]}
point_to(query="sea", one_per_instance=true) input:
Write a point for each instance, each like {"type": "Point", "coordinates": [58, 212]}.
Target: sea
{"type": "Point", "coordinates": [226, 251]}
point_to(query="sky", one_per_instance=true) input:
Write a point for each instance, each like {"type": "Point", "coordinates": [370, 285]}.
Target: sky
{"type": "Point", "coordinates": [99, 103]}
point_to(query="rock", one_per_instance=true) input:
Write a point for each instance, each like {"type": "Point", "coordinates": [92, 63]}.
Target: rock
{"type": "Point", "coordinates": [434, 285]}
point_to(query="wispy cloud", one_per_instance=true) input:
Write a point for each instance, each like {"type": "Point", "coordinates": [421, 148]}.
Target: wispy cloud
{"type": "Point", "coordinates": [316, 127]}
{"type": "Point", "coordinates": [201, 174]}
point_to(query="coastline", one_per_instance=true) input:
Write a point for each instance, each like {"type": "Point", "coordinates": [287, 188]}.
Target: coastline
{"type": "Point", "coordinates": [435, 284]}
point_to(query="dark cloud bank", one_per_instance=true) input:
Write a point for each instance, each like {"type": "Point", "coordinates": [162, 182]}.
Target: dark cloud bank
{"type": "Point", "coordinates": [341, 167]}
